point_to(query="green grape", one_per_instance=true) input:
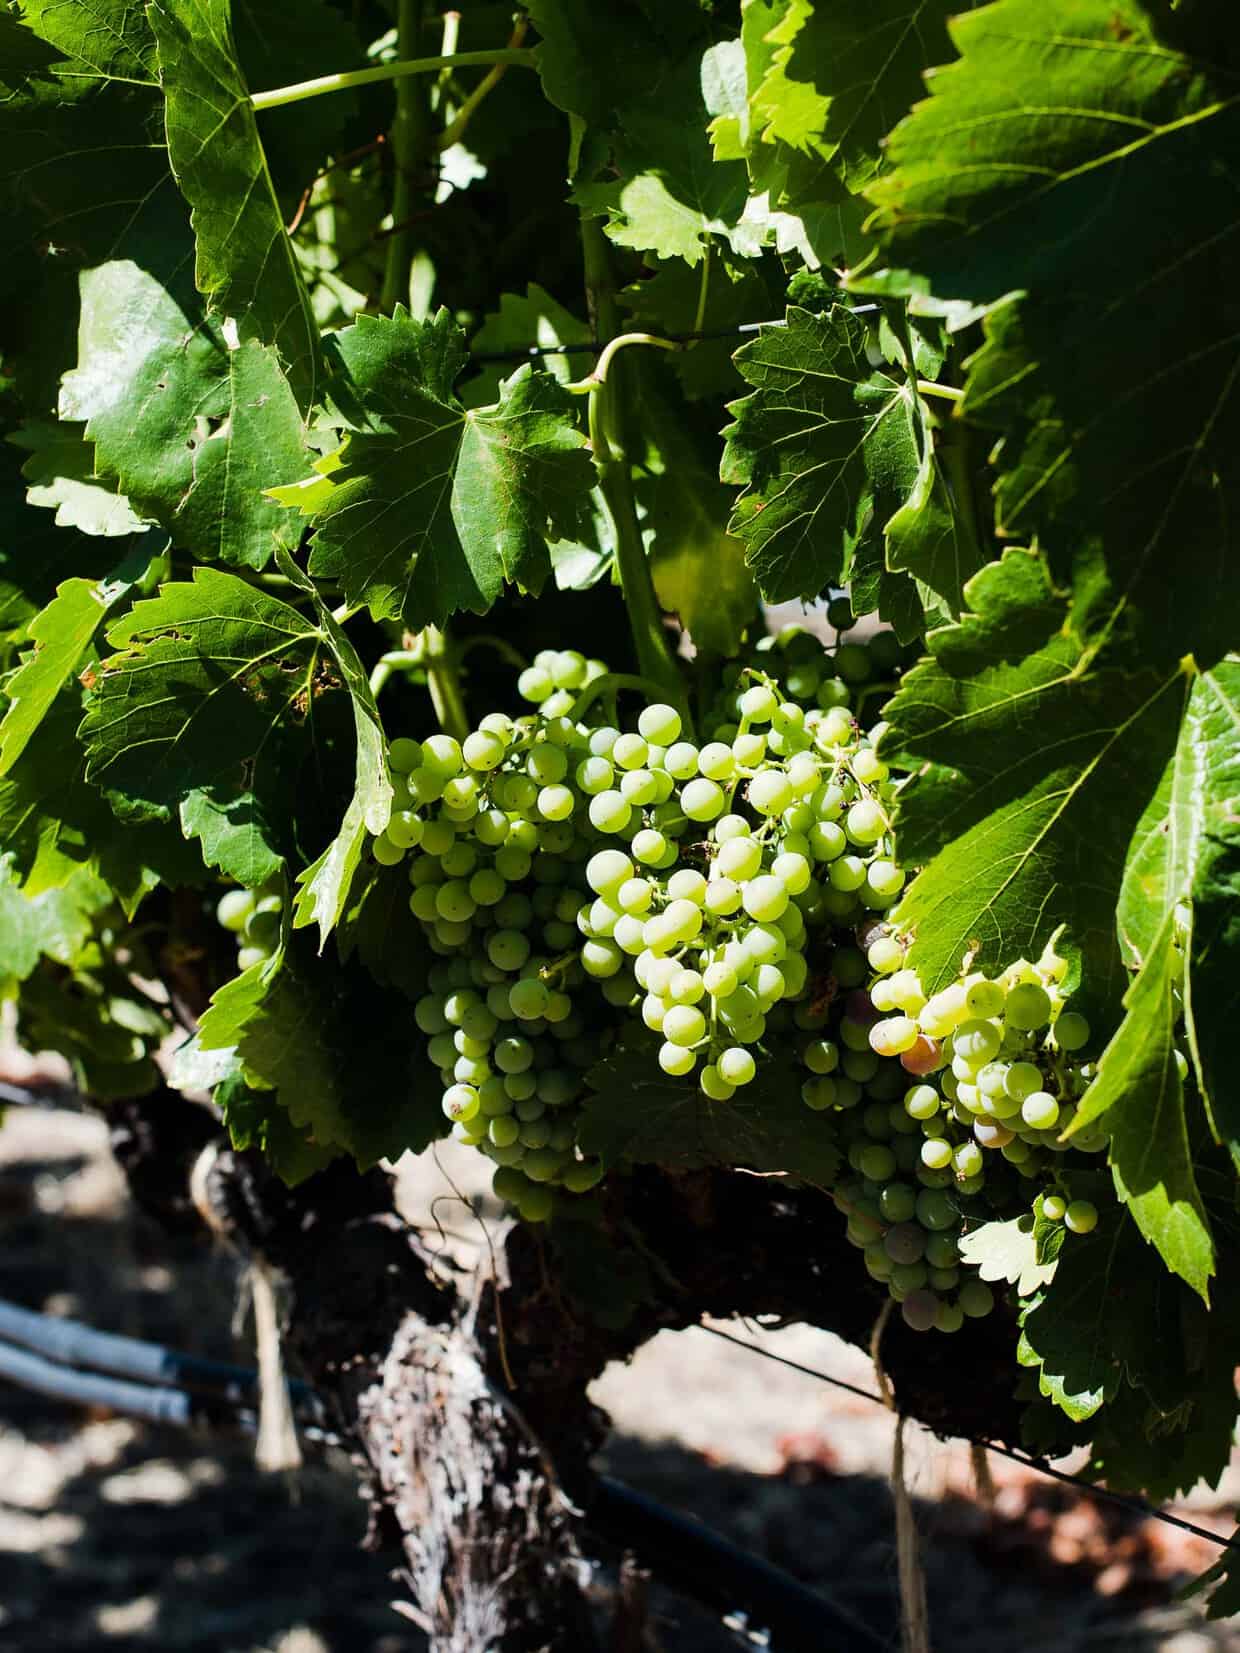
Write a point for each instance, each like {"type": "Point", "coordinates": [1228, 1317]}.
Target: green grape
{"type": "Point", "coordinates": [701, 800]}
{"type": "Point", "coordinates": [1071, 1031]}
{"type": "Point", "coordinates": [713, 1085]}
{"type": "Point", "coordinates": [1081, 1217]}
{"type": "Point", "coordinates": [676, 1059]}
{"type": "Point", "coordinates": [736, 1065]}
{"type": "Point", "coordinates": [976, 1299]}
{"type": "Point", "coordinates": [1028, 1006]}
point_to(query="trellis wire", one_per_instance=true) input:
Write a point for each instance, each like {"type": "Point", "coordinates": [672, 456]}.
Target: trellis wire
{"type": "Point", "coordinates": [1128, 1501]}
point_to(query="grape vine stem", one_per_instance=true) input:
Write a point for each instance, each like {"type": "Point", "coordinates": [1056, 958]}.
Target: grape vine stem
{"type": "Point", "coordinates": [616, 482]}
{"type": "Point", "coordinates": [518, 56]}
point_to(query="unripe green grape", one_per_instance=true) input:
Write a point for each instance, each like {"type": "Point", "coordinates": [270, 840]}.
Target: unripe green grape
{"type": "Point", "coordinates": [512, 864]}
{"type": "Point", "coordinates": [683, 1025]}
{"type": "Point", "coordinates": [535, 684]}
{"type": "Point", "coordinates": [687, 885]}
{"type": "Point", "coordinates": [764, 944]}
{"type": "Point", "coordinates": [877, 1162]}
{"type": "Point", "coordinates": [404, 755]}
{"type": "Point", "coordinates": [610, 811]}
{"type": "Point", "coordinates": [441, 755]}
{"type": "Point", "coordinates": [629, 751]}
{"type": "Point", "coordinates": [976, 1042]}
{"type": "Point", "coordinates": [768, 984]}
{"type": "Point", "coordinates": [719, 980]}
{"type": "Point", "coordinates": [905, 1243]}
{"type": "Point", "coordinates": [593, 775]}
{"type": "Point", "coordinates": [967, 1160]}
{"type": "Point", "coordinates": [836, 728]}
{"type": "Point", "coordinates": [654, 1009]}
{"type": "Point", "coordinates": [1028, 1006]}
{"type": "Point", "coordinates": [607, 870]}
{"type": "Point", "coordinates": [661, 973]}
{"type": "Point", "coordinates": [601, 957]}
{"type": "Point", "coordinates": [852, 662]}
{"type": "Point", "coordinates": [737, 1066]}
{"type": "Point", "coordinates": [846, 873]}
{"type": "Point", "coordinates": [686, 987]}
{"type": "Point", "coordinates": [723, 897]}
{"type": "Point", "coordinates": [984, 999]}
{"type": "Point", "coordinates": [793, 872]}
{"type": "Point", "coordinates": [1054, 1208]}
{"type": "Point", "coordinates": [739, 858]}
{"type": "Point", "coordinates": [629, 933]}
{"type": "Point", "coordinates": [713, 1085]}
{"type": "Point", "coordinates": [920, 1309]}
{"type": "Point", "coordinates": [865, 822]}
{"type": "Point", "coordinates": [483, 750]}
{"type": "Point", "coordinates": [936, 1154]}
{"type": "Point", "coordinates": [676, 1060]}
{"type": "Point", "coordinates": [749, 749]}
{"type": "Point", "coordinates": [1081, 1217]}
{"type": "Point", "coordinates": [528, 998]}
{"type": "Point", "coordinates": [819, 1093]}
{"type": "Point", "coordinates": [681, 760]}
{"type": "Point", "coordinates": [648, 846]}
{"type": "Point", "coordinates": [764, 898]}
{"type": "Point", "coordinates": [821, 1056]}
{"type": "Point", "coordinates": [1071, 1030]}
{"type": "Point", "coordinates": [975, 1299]}
{"type": "Point", "coordinates": [936, 1212]}
{"type": "Point", "coordinates": [684, 918]}
{"type": "Point", "coordinates": [702, 800]}
{"type": "Point", "coordinates": [770, 792]}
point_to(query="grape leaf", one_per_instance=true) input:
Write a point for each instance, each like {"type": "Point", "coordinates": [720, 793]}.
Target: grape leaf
{"type": "Point", "coordinates": [190, 428]}
{"type": "Point", "coordinates": [636, 1113]}
{"type": "Point", "coordinates": [597, 61]}
{"type": "Point", "coordinates": [254, 1119]}
{"type": "Point", "coordinates": [430, 506]}
{"type": "Point", "coordinates": [1213, 998]}
{"type": "Point", "coordinates": [325, 884]}
{"type": "Point", "coordinates": [22, 52]}
{"type": "Point", "coordinates": [334, 1046]}
{"type": "Point", "coordinates": [54, 823]}
{"type": "Point", "coordinates": [88, 1022]}
{"type": "Point", "coordinates": [1182, 863]}
{"type": "Point", "coordinates": [246, 265]}
{"type": "Point", "coordinates": [1106, 1318]}
{"type": "Point", "coordinates": [62, 477]}
{"type": "Point", "coordinates": [828, 450]}
{"type": "Point", "coordinates": [672, 196]}
{"type": "Point", "coordinates": [1007, 1251]}
{"type": "Point", "coordinates": [1029, 776]}
{"type": "Point", "coordinates": [1098, 202]}
{"type": "Point", "coordinates": [55, 923]}
{"type": "Point", "coordinates": [668, 302]}
{"type": "Point", "coordinates": [846, 73]}
{"type": "Point", "coordinates": [61, 634]}
{"type": "Point", "coordinates": [205, 717]}
{"type": "Point", "coordinates": [1139, 1094]}
{"type": "Point", "coordinates": [522, 320]}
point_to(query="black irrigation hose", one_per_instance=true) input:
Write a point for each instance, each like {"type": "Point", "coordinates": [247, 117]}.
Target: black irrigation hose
{"type": "Point", "coordinates": [70, 1343]}
{"type": "Point", "coordinates": [683, 1552]}
{"type": "Point", "coordinates": [701, 1563]}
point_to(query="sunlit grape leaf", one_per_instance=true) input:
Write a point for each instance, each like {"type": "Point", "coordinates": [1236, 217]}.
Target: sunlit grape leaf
{"type": "Point", "coordinates": [54, 924]}
{"type": "Point", "coordinates": [206, 715]}
{"type": "Point", "coordinates": [929, 538]}
{"type": "Point", "coordinates": [844, 74]}
{"type": "Point", "coordinates": [1107, 1317]}
{"type": "Point", "coordinates": [825, 448]}
{"type": "Point", "coordinates": [1007, 1251]}
{"type": "Point", "coordinates": [430, 506]}
{"type": "Point", "coordinates": [1099, 201]}
{"type": "Point", "coordinates": [1139, 1096]}
{"type": "Point", "coordinates": [246, 265]}
{"type": "Point", "coordinates": [22, 52]}
{"type": "Point", "coordinates": [334, 1047]}
{"type": "Point", "coordinates": [1184, 862]}
{"type": "Point", "coordinates": [192, 429]}
{"type": "Point", "coordinates": [637, 1113]}
{"type": "Point", "coordinates": [62, 477]}
{"type": "Point", "coordinates": [672, 195]}
{"type": "Point", "coordinates": [61, 634]}
{"type": "Point", "coordinates": [1029, 776]}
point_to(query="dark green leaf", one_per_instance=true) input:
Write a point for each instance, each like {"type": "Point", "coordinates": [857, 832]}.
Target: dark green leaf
{"type": "Point", "coordinates": [192, 429]}
{"type": "Point", "coordinates": [1139, 1094]}
{"type": "Point", "coordinates": [246, 265]}
{"type": "Point", "coordinates": [336, 1050]}
{"type": "Point", "coordinates": [637, 1113]}
{"type": "Point", "coordinates": [828, 450]}
{"type": "Point", "coordinates": [1114, 379]}
{"type": "Point", "coordinates": [1029, 777]}
{"type": "Point", "coordinates": [430, 506]}
{"type": "Point", "coordinates": [206, 716]}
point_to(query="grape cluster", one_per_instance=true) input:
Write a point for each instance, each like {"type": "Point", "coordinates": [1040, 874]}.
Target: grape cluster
{"type": "Point", "coordinates": [968, 1090]}
{"type": "Point", "coordinates": [576, 877]}
{"type": "Point", "coordinates": [255, 918]}
{"type": "Point", "coordinates": [723, 903]}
